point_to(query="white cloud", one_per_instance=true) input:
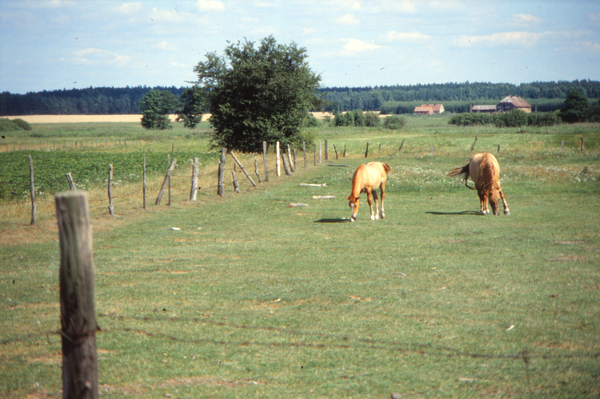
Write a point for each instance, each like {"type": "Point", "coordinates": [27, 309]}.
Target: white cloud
{"type": "Point", "coordinates": [129, 8]}
{"type": "Point", "coordinates": [526, 18]}
{"type": "Point", "coordinates": [167, 15]}
{"type": "Point", "coordinates": [94, 56]}
{"type": "Point", "coordinates": [354, 46]}
{"type": "Point", "coordinates": [347, 19]}
{"type": "Point", "coordinates": [405, 36]}
{"type": "Point", "coordinates": [165, 45]}
{"type": "Point", "coordinates": [525, 39]}
{"type": "Point", "coordinates": [355, 5]}
{"type": "Point", "coordinates": [309, 31]}
{"type": "Point", "coordinates": [403, 6]}
{"type": "Point", "coordinates": [594, 19]}
{"type": "Point", "coordinates": [210, 5]}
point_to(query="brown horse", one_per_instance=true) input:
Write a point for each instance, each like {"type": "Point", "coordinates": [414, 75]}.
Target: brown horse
{"type": "Point", "coordinates": [367, 179]}
{"type": "Point", "coordinates": [484, 170]}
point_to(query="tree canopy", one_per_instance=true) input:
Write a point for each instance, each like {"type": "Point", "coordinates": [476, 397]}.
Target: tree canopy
{"type": "Point", "coordinates": [258, 94]}
{"type": "Point", "coordinates": [156, 106]}
{"type": "Point", "coordinates": [576, 107]}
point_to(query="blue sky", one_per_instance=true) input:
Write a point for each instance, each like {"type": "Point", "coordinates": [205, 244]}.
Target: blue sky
{"type": "Point", "coordinates": [56, 44]}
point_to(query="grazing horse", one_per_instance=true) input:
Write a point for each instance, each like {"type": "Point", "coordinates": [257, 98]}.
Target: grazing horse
{"type": "Point", "coordinates": [367, 179]}
{"type": "Point", "coordinates": [484, 170]}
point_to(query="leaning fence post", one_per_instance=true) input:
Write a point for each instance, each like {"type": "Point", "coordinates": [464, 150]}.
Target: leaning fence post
{"type": "Point", "coordinates": [289, 157]}
{"type": "Point", "coordinates": [242, 168]}
{"type": "Point", "coordinates": [367, 151]}
{"type": "Point", "coordinates": [265, 161]}
{"type": "Point", "coordinates": [169, 179]}
{"type": "Point", "coordinates": [236, 186]}
{"type": "Point", "coordinates": [32, 189]}
{"type": "Point", "coordinates": [164, 184]}
{"type": "Point", "coordinates": [194, 189]}
{"type": "Point", "coordinates": [401, 144]}
{"type": "Point", "coordinates": [77, 297]}
{"type": "Point", "coordinates": [473, 146]}
{"type": "Point", "coordinates": [220, 187]}
{"type": "Point", "coordinates": [111, 207]}
{"type": "Point", "coordinates": [71, 182]}
{"type": "Point", "coordinates": [335, 149]}
{"type": "Point", "coordinates": [286, 164]}
{"type": "Point", "coordinates": [256, 170]}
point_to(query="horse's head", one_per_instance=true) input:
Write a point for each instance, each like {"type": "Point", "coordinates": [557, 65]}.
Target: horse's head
{"type": "Point", "coordinates": [494, 200]}
{"type": "Point", "coordinates": [353, 204]}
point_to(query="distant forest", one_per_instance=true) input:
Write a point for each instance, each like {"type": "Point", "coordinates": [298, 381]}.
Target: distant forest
{"type": "Point", "coordinates": [456, 97]}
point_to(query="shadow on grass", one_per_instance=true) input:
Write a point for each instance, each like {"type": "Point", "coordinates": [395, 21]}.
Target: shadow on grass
{"type": "Point", "coordinates": [339, 220]}
{"type": "Point", "coordinates": [456, 213]}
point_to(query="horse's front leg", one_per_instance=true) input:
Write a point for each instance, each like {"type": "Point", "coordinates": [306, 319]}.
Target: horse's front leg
{"type": "Point", "coordinates": [376, 205]}
{"type": "Point", "coordinates": [483, 196]}
{"type": "Point", "coordinates": [506, 210]}
{"type": "Point", "coordinates": [370, 202]}
{"type": "Point", "coordinates": [382, 198]}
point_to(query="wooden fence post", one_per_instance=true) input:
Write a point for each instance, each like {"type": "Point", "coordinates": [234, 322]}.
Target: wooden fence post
{"type": "Point", "coordinates": [326, 150]}
{"type": "Point", "coordinates": [335, 149]}
{"type": "Point", "coordinates": [401, 145]}
{"type": "Point", "coordinates": [344, 151]}
{"type": "Point", "coordinates": [277, 160]}
{"type": "Point", "coordinates": [582, 148]}
{"type": "Point", "coordinates": [71, 182]}
{"type": "Point", "coordinates": [367, 151]}
{"type": "Point", "coordinates": [236, 186]}
{"type": "Point", "coordinates": [220, 187]}
{"type": "Point", "coordinates": [473, 146]}
{"type": "Point", "coordinates": [562, 145]}
{"type": "Point", "coordinates": [432, 149]}
{"type": "Point", "coordinates": [111, 207]}
{"type": "Point", "coordinates": [256, 170]}
{"type": "Point", "coordinates": [498, 148]}
{"type": "Point", "coordinates": [294, 156]}
{"type": "Point", "coordinates": [169, 179]}
{"type": "Point", "coordinates": [144, 182]}
{"type": "Point", "coordinates": [285, 164]}
{"type": "Point", "coordinates": [289, 157]}
{"type": "Point", "coordinates": [242, 168]}
{"type": "Point", "coordinates": [77, 297]}
{"type": "Point", "coordinates": [194, 189]}
{"type": "Point", "coordinates": [304, 151]}
{"type": "Point", "coordinates": [265, 161]}
{"type": "Point", "coordinates": [320, 152]}
{"type": "Point", "coordinates": [32, 189]}
{"type": "Point", "coordinates": [164, 184]}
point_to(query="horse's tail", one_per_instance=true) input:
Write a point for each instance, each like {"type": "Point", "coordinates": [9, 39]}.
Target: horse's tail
{"type": "Point", "coordinates": [386, 167]}
{"type": "Point", "coordinates": [461, 171]}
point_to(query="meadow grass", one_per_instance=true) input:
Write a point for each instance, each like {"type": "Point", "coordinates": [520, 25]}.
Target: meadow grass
{"type": "Point", "coordinates": [253, 298]}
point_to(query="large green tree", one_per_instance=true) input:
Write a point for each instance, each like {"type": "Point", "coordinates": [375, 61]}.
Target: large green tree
{"type": "Point", "coordinates": [258, 93]}
{"type": "Point", "coordinates": [191, 106]}
{"type": "Point", "coordinates": [156, 106]}
{"type": "Point", "coordinates": [576, 107]}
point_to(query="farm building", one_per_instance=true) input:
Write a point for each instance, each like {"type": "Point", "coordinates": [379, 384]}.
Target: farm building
{"type": "Point", "coordinates": [484, 109]}
{"type": "Point", "coordinates": [513, 102]}
{"type": "Point", "coordinates": [429, 109]}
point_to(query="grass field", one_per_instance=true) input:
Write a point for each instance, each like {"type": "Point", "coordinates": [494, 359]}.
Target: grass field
{"type": "Point", "coordinates": [253, 298]}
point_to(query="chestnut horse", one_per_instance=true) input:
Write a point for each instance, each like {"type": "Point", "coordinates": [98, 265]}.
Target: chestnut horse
{"type": "Point", "coordinates": [484, 170]}
{"type": "Point", "coordinates": [367, 179]}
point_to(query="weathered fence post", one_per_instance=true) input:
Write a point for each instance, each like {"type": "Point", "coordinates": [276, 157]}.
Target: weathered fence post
{"type": "Point", "coordinates": [242, 168]}
{"type": "Point", "coordinates": [473, 146]}
{"type": "Point", "coordinates": [304, 151]}
{"type": "Point", "coordinates": [294, 155]}
{"type": "Point", "coordinates": [169, 179]}
{"type": "Point", "coordinates": [265, 161]}
{"type": "Point", "coordinates": [289, 157]}
{"type": "Point", "coordinates": [77, 297]}
{"type": "Point", "coordinates": [194, 189]}
{"type": "Point", "coordinates": [32, 189]}
{"type": "Point", "coordinates": [335, 149]}
{"type": "Point", "coordinates": [582, 148]}
{"type": "Point", "coordinates": [562, 145]}
{"type": "Point", "coordinates": [367, 151]}
{"type": "Point", "coordinates": [111, 208]}
{"type": "Point", "coordinates": [498, 148]}
{"type": "Point", "coordinates": [164, 184]}
{"type": "Point", "coordinates": [277, 160]}
{"type": "Point", "coordinates": [432, 149]}
{"type": "Point", "coordinates": [220, 187]}
{"type": "Point", "coordinates": [256, 170]}
{"type": "Point", "coordinates": [236, 186]}
{"type": "Point", "coordinates": [344, 151]}
{"type": "Point", "coordinates": [71, 182]}
{"type": "Point", "coordinates": [401, 144]}
{"type": "Point", "coordinates": [326, 150]}
{"type": "Point", "coordinates": [320, 152]}
{"type": "Point", "coordinates": [144, 182]}
{"type": "Point", "coordinates": [286, 164]}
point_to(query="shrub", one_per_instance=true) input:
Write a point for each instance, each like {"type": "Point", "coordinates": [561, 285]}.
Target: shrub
{"type": "Point", "coordinates": [467, 119]}
{"type": "Point", "coordinates": [372, 119]}
{"type": "Point", "coordinates": [359, 117]}
{"type": "Point", "coordinates": [22, 124]}
{"type": "Point", "coordinates": [310, 121]}
{"type": "Point", "coordinates": [543, 119]}
{"type": "Point", "coordinates": [514, 118]}
{"type": "Point", "coordinates": [6, 125]}
{"type": "Point", "coordinates": [394, 122]}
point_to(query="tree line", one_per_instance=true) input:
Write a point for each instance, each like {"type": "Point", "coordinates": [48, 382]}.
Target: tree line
{"type": "Point", "coordinates": [398, 99]}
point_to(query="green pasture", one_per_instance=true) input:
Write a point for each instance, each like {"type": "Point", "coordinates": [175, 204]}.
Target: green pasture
{"type": "Point", "coordinates": [254, 298]}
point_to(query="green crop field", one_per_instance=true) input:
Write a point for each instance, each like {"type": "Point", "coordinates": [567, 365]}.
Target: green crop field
{"type": "Point", "coordinates": [254, 298]}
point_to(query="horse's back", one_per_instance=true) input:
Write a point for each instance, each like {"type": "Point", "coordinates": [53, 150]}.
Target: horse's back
{"type": "Point", "coordinates": [484, 169]}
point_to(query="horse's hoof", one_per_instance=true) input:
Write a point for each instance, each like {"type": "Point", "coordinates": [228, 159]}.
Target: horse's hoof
{"type": "Point", "coordinates": [506, 212]}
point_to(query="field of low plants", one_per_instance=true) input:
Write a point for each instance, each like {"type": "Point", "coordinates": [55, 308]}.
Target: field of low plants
{"type": "Point", "coordinates": [252, 297]}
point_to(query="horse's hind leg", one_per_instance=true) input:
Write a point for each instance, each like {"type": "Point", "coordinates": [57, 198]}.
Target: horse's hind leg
{"type": "Point", "coordinates": [506, 210]}
{"type": "Point", "coordinates": [483, 197]}
{"type": "Point", "coordinates": [382, 188]}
